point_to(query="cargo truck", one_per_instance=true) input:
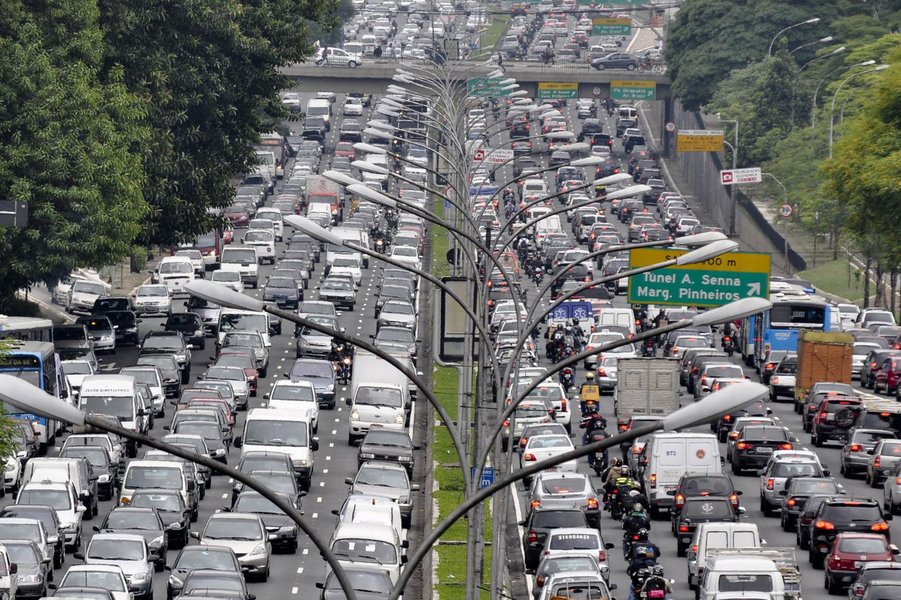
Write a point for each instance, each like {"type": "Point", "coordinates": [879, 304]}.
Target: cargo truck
{"type": "Point", "coordinates": [646, 387]}
{"type": "Point", "coordinates": [772, 572]}
{"type": "Point", "coordinates": [822, 356]}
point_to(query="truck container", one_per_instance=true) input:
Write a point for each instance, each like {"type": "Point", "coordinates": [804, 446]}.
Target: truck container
{"type": "Point", "coordinates": [822, 356]}
{"type": "Point", "coordinates": [371, 369]}
{"type": "Point", "coordinates": [646, 386]}
{"type": "Point", "coordinates": [772, 571]}
{"type": "Point", "coordinates": [321, 190]}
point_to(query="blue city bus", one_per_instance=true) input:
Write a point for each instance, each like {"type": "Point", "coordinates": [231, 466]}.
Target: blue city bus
{"type": "Point", "coordinates": [779, 327]}
{"type": "Point", "coordinates": [38, 364]}
{"type": "Point", "coordinates": [26, 329]}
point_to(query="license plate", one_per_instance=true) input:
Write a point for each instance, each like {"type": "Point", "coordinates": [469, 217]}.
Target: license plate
{"type": "Point", "coordinates": [686, 540]}
{"type": "Point", "coordinates": [830, 417]}
{"type": "Point", "coordinates": [764, 450]}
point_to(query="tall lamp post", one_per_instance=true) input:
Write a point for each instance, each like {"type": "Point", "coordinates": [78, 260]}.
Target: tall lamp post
{"type": "Point", "coordinates": [769, 52]}
{"type": "Point", "coordinates": [785, 220]}
{"type": "Point", "coordinates": [816, 91]}
{"type": "Point", "coordinates": [824, 40]}
{"type": "Point", "coordinates": [835, 96]}
{"type": "Point", "coordinates": [733, 201]}
{"type": "Point", "coordinates": [32, 399]}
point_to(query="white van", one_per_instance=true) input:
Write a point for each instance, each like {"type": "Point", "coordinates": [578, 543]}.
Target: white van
{"type": "Point", "coordinates": [235, 319]}
{"type": "Point", "coordinates": [668, 456]}
{"type": "Point", "coordinates": [116, 396]}
{"type": "Point", "coordinates": [551, 224]}
{"type": "Point", "coordinates": [244, 260]}
{"type": "Point", "coordinates": [615, 317]}
{"type": "Point", "coordinates": [8, 578]}
{"type": "Point", "coordinates": [357, 544]}
{"type": "Point", "coordinates": [263, 240]}
{"type": "Point", "coordinates": [155, 474]}
{"type": "Point", "coordinates": [282, 430]}
{"type": "Point", "coordinates": [379, 160]}
{"type": "Point", "coordinates": [64, 470]}
{"type": "Point", "coordinates": [347, 234]}
{"type": "Point", "coordinates": [174, 272]}
{"type": "Point", "coordinates": [381, 405]}
{"type": "Point", "coordinates": [709, 536]}
{"type": "Point", "coordinates": [274, 215]}
{"type": "Point", "coordinates": [318, 107]}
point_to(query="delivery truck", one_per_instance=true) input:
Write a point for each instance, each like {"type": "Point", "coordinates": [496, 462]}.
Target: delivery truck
{"type": "Point", "coordinates": [822, 356]}
{"type": "Point", "coordinates": [646, 387]}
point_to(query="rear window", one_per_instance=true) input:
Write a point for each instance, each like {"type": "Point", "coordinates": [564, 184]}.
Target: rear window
{"type": "Point", "coordinates": [555, 519]}
{"type": "Point", "coordinates": [783, 469]}
{"type": "Point", "coordinates": [745, 583]}
{"type": "Point", "coordinates": [708, 509]}
{"type": "Point", "coordinates": [765, 434]}
{"type": "Point", "coordinates": [863, 545]}
{"type": "Point", "coordinates": [816, 486]}
{"type": "Point", "coordinates": [710, 485]}
{"type": "Point", "coordinates": [574, 541]}
{"type": "Point", "coordinates": [882, 574]}
{"type": "Point", "coordinates": [845, 513]}
{"type": "Point", "coordinates": [880, 420]}
{"type": "Point", "coordinates": [891, 449]}
{"type": "Point", "coordinates": [570, 485]}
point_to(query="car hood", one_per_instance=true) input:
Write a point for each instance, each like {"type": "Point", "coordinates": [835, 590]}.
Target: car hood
{"type": "Point", "coordinates": [240, 547]}
{"type": "Point", "coordinates": [129, 567]}
{"type": "Point", "coordinates": [274, 521]}
{"type": "Point", "coordinates": [147, 534]}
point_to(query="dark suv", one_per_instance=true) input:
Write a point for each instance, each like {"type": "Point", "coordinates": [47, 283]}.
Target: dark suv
{"type": "Point", "coordinates": [716, 485]}
{"type": "Point", "coordinates": [834, 419]}
{"type": "Point", "coordinates": [862, 515]}
{"type": "Point", "coordinates": [798, 490]}
{"type": "Point", "coordinates": [191, 327]}
{"type": "Point", "coordinates": [804, 521]}
{"type": "Point", "coordinates": [540, 522]}
{"type": "Point", "coordinates": [755, 445]}
{"type": "Point", "coordinates": [702, 509]}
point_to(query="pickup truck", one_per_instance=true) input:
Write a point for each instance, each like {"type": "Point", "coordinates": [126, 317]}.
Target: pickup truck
{"type": "Point", "coordinates": [770, 570]}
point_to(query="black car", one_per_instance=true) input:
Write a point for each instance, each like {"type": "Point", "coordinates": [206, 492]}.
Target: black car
{"type": "Point", "coordinates": [191, 327]}
{"type": "Point", "coordinates": [191, 558]}
{"type": "Point", "coordinates": [283, 291]}
{"type": "Point", "coordinates": [805, 518]}
{"type": "Point", "coordinates": [834, 419]}
{"type": "Point", "coordinates": [387, 445]}
{"type": "Point", "coordinates": [125, 326]}
{"type": "Point", "coordinates": [145, 522]}
{"type": "Point", "coordinates": [616, 60]}
{"type": "Point", "coordinates": [756, 444]}
{"type": "Point", "coordinates": [277, 523]}
{"type": "Point", "coordinates": [702, 509]}
{"type": "Point", "coordinates": [256, 460]}
{"type": "Point", "coordinates": [169, 343]}
{"type": "Point", "coordinates": [105, 470]}
{"type": "Point", "coordinates": [206, 584]}
{"type": "Point", "coordinates": [540, 522]}
{"type": "Point", "coordinates": [105, 304]}
{"type": "Point", "coordinates": [838, 516]}
{"type": "Point", "coordinates": [798, 490]}
{"type": "Point", "coordinates": [171, 509]}
{"type": "Point", "coordinates": [714, 485]}
{"type": "Point", "coordinates": [46, 515]}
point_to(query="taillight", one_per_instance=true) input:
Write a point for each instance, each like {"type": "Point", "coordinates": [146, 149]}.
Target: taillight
{"type": "Point", "coordinates": [679, 500]}
{"type": "Point", "coordinates": [770, 483]}
{"type": "Point", "coordinates": [529, 457]}
{"type": "Point", "coordinates": [563, 405]}
{"type": "Point", "coordinates": [507, 423]}
{"type": "Point", "coordinates": [897, 480]}
{"type": "Point", "coordinates": [733, 499]}
{"type": "Point", "coordinates": [602, 556]}
{"type": "Point", "coordinates": [602, 373]}
{"type": "Point", "coordinates": [877, 461]}
{"type": "Point", "coordinates": [791, 502]}
{"type": "Point", "coordinates": [785, 446]}
{"type": "Point", "coordinates": [821, 417]}
{"type": "Point", "coordinates": [770, 366]}
{"type": "Point", "coordinates": [811, 407]}
{"type": "Point", "coordinates": [828, 525]}
{"type": "Point", "coordinates": [535, 503]}
{"type": "Point", "coordinates": [733, 435]}
{"type": "Point", "coordinates": [539, 581]}
{"type": "Point", "coordinates": [855, 448]}
{"type": "Point", "coordinates": [523, 442]}
{"type": "Point", "coordinates": [675, 351]}
{"type": "Point", "coordinates": [683, 528]}
{"type": "Point", "coordinates": [694, 548]}
{"type": "Point", "coordinates": [727, 418]}
{"type": "Point", "coordinates": [533, 537]}
{"type": "Point", "coordinates": [880, 526]}
{"type": "Point", "coordinates": [592, 504]}
{"type": "Point", "coordinates": [653, 481]}
{"type": "Point", "coordinates": [743, 446]}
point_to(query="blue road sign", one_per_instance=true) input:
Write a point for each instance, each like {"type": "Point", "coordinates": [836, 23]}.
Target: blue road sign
{"type": "Point", "coordinates": [487, 477]}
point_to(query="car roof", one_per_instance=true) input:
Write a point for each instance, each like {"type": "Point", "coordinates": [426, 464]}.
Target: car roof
{"type": "Point", "coordinates": [365, 531]}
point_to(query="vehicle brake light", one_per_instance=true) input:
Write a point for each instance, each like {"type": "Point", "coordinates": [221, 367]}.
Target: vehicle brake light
{"type": "Point", "coordinates": [539, 581]}
{"type": "Point", "coordinates": [770, 483]}
{"type": "Point", "coordinates": [785, 446]}
{"type": "Point", "coordinates": [897, 480]}
{"type": "Point", "coordinates": [791, 502]}
{"type": "Point", "coordinates": [683, 528]}
{"type": "Point", "coordinates": [694, 548]}
{"type": "Point", "coordinates": [733, 498]}
{"type": "Point", "coordinates": [535, 503]}
{"type": "Point", "coordinates": [877, 461]}
{"type": "Point", "coordinates": [533, 537]}
{"type": "Point", "coordinates": [824, 525]}
{"type": "Point", "coordinates": [602, 373]}
{"type": "Point", "coordinates": [563, 405]}
{"type": "Point", "coordinates": [507, 423]}
{"type": "Point", "coordinates": [675, 351]}
{"type": "Point", "coordinates": [743, 446]}
{"type": "Point", "coordinates": [880, 526]}
{"type": "Point", "coordinates": [727, 417]}
{"type": "Point", "coordinates": [602, 556]}
{"type": "Point", "coordinates": [733, 435]}
{"type": "Point", "coordinates": [529, 457]}
{"type": "Point", "coordinates": [592, 503]}
{"type": "Point", "coordinates": [653, 481]}
{"type": "Point", "coordinates": [679, 500]}
{"type": "Point", "coordinates": [855, 448]}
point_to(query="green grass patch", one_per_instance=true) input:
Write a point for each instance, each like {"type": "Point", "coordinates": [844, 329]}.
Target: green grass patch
{"type": "Point", "coordinates": [440, 244]}
{"type": "Point", "coordinates": [452, 572]}
{"type": "Point", "coordinates": [495, 31]}
{"type": "Point", "coordinates": [832, 277]}
{"type": "Point", "coordinates": [444, 386]}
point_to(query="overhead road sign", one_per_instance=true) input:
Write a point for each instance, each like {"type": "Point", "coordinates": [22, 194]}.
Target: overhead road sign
{"type": "Point", "coordinates": [557, 91]}
{"type": "Point", "coordinates": [738, 176]}
{"type": "Point", "coordinates": [718, 281]}
{"type": "Point", "coordinates": [485, 87]}
{"type": "Point", "coordinates": [611, 26]}
{"type": "Point", "coordinates": [633, 90]}
{"type": "Point", "coordinates": [699, 140]}
{"type": "Point", "coordinates": [493, 156]}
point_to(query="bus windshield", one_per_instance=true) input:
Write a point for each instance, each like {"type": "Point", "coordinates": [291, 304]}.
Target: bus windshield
{"type": "Point", "coordinates": [794, 316]}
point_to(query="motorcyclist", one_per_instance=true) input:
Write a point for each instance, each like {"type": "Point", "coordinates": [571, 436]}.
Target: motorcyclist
{"type": "Point", "coordinates": [589, 394]}
{"type": "Point", "coordinates": [642, 560]}
{"type": "Point", "coordinates": [635, 542]}
{"type": "Point", "coordinates": [636, 519]}
{"type": "Point", "coordinates": [655, 581]}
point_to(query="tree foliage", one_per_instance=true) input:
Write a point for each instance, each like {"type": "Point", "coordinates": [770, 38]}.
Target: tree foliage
{"type": "Point", "coordinates": [711, 38]}
{"type": "Point", "coordinates": [66, 145]}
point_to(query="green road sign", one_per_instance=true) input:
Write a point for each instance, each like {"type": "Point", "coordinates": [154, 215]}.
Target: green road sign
{"type": "Point", "coordinates": [557, 91]}
{"type": "Point", "coordinates": [483, 86]}
{"type": "Point", "coordinates": [718, 281]}
{"type": "Point", "coordinates": [633, 90]}
{"type": "Point", "coordinates": [611, 26]}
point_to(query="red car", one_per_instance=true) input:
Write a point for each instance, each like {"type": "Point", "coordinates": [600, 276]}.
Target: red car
{"type": "Point", "coordinates": [888, 375]}
{"type": "Point", "coordinates": [851, 550]}
{"type": "Point", "coordinates": [345, 149]}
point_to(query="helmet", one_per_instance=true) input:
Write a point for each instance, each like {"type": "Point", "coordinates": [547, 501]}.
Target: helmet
{"type": "Point", "coordinates": [633, 493]}
{"type": "Point", "coordinates": [589, 375]}
{"type": "Point", "coordinates": [559, 326]}
{"type": "Point", "coordinates": [623, 471]}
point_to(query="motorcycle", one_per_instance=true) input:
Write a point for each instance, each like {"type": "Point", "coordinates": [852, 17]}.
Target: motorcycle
{"type": "Point", "coordinates": [345, 370]}
{"type": "Point", "coordinates": [597, 460]}
{"type": "Point", "coordinates": [728, 345]}
{"type": "Point", "coordinates": [649, 348]}
{"type": "Point", "coordinates": [567, 379]}
{"type": "Point", "coordinates": [633, 541]}
{"type": "Point", "coordinates": [655, 587]}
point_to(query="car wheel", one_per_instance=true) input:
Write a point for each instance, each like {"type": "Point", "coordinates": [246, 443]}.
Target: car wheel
{"type": "Point", "coordinates": [680, 549]}
{"type": "Point", "coordinates": [352, 64]}
{"type": "Point", "coordinates": [600, 66]}
{"type": "Point", "coordinates": [630, 67]}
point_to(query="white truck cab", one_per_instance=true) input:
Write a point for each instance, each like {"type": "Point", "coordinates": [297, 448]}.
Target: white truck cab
{"type": "Point", "coordinates": [244, 260]}
{"type": "Point", "coordinates": [174, 272]}
{"type": "Point", "coordinates": [282, 430]}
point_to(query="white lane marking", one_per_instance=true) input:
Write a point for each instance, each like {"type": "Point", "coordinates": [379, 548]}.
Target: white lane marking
{"type": "Point", "coordinates": [305, 551]}
{"type": "Point", "coordinates": [315, 515]}
{"type": "Point", "coordinates": [224, 496]}
{"type": "Point", "coordinates": [321, 484]}
{"type": "Point", "coordinates": [299, 570]}
{"type": "Point", "coordinates": [328, 458]}
{"type": "Point", "coordinates": [319, 499]}
{"type": "Point", "coordinates": [294, 590]}
{"type": "Point", "coordinates": [325, 471]}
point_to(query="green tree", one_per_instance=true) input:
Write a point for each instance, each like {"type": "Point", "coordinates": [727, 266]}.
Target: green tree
{"type": "Point", "coordinates": [66, 146]}
{"type": "Point", "coordinates": [209, 70]}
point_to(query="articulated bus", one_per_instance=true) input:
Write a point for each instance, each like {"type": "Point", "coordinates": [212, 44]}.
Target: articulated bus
{"type": "Point", "coordinates": [779, 327]}
{"type": "Point", "coordinates": [26, 329]}
{"type": "Point", "coordinates": [38, 364]}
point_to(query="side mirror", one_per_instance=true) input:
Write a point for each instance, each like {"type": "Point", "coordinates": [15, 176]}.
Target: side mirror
{"type": "Point", "coordinates": [335, 512]}
{"type": "Point", "coordinates": [414, 487]}
{"type": "Point", "coordinates": [349, 480]}
{"type": "Point", "coordinates": [722, 460]}
{"type": "Point", "coordinates": [265, 396]}
{"type": "Point", "coordinates": [195, 535]}
{"type": "Point", "coordinates": [226, 509]}
{"type": "Point", "coordinates": [78, 555]}
{"type": "Point", "coordinates": [96, 528]}
{"type": "Point", "coordinates": [81, 508]}
{"type": "Point", "coordinates": [348, 401]}
{"type": "Point", "coordinates": [783, 493]}
{"type": "Point", "coordinates": [609, 545]}
{"type": "Point", "coordinates": [742, 510]}
{"type": "Point", "coordinates": [237, 442]}
{"type": "Point", "coordinates": [827, 472]}
{"type": "Point", "coordinates": [405, 544]}
{"type": "Point", "coordinates": [320, 585]}
{"type": "Point", "coordinates": [871, 450]}
{"type": "Point", "coordinates": [611, 587]}
{"type": "Point", "coordinates": [738, 492]}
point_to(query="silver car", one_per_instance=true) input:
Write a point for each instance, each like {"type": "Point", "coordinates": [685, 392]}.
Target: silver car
{"type": "Point", "coordinates": [246, 535]}
{"type": "Point", "coordinates": [130, 553]}
{"type": "Point", "coordinates": [553, 489]}
{"type": "Point", "coordinates": [396, 313]}
{"type": "Point", "coordinates": [376, 478]}
{"type": "Point", "coordinates": [891, 490]}
{"type": "Point", "coordinates": [856, 453]}
{"type": "Point", "coordinates": [782, 465]}
{"type": "Point", "coordinates": [883, 458]}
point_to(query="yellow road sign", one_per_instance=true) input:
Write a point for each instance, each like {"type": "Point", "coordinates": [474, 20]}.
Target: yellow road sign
{"type": "Point", "coordinates": [699, 140]}
{"type": "Point", "coordinates": [741, 262]}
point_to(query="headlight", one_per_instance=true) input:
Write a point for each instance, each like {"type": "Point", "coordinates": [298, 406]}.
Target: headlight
{"type": "Point", "coordinates": [11, 465]}
{"type": "Point", "coordinates": [258, 551]}
{"type": "Point", "coordinates": [354, 416]}
{"type": "Point", "coordinates": [219, 452]}
{"type": "Point", "coordinates": [301, 462]}
{"type": "Point", "coordinates": [176, 525]}
{"type": "Point", "coordinates": [774, 380]}
{"type": "Point", "coordinates": [156, 542]}
{"type": "Point", "coordinates": [367, 455]}
{"type": "Point", "coordinates": [103, 478]}
{"type": "Point", "coordinates": [404, 459]}
{"type": "Point", "coordinates": [139, 577]}
{"type": "Point", "coordinates": [287, 529]}
{"type": "Point", "coordinates": [175, 581]}
{"type": "Point", "coordinates": [399, 419]}
{"type": "Point", "coordinates": [29, 578]}
{"type": "Point", "coordinates": [330, 387]}
{"type": "Point", "coordinates": [21, 454]}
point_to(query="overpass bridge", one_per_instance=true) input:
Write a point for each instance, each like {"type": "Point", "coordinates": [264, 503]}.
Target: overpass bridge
{"type": "Point", "coordinates": [374, 76]}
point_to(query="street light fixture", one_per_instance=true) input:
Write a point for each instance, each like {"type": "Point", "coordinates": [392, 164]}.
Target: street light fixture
{"type": "Point", "coordinates": [838, 50]}
{"type": "Point", "coordinates": [835, 96]}
{"type": "Point", "coordinates": [769, 52]}
{"type": "Point", "coordinates": [824, 40]}
{"type": "Point", "coordinates": [33, 400]}
{"type": "Point", "coordinates": [813, 111]}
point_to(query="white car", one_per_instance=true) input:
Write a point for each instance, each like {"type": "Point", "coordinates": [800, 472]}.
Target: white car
{"type": "Point", "coordinates": [353, 107]}
{"type": "Point", "coordinates": [76, 371]}
{"type": "Point", "coordinates": [245, 534]}
{"type": "Point", "coordinates": [230, 279]}
{"type": "Point", "coordinates": [406, 255]}
{"type": "Point", "coordinates": [295, 395]}
{"type": "Point", "coordinates": [264, 241]}
{"type": "Point", "coordinates": [107, 577]}
{"type": "Point", "coordinates": [578, 540]}
{"type": "Point", "coordinates": [82, 295]}
{"type": "Point", "coordinates": [63, 498]}
{"type": "Point", "coordinates": [397, 313]}
{"type": "Point", "coordinates": [128, 552]}
{"type": "Point", "coordinates": [337, 57]}
{"type": "Point", "coordinates": [540, 448]}
{"type": "Point", "coordinates": [153, 299]}
{"type": "Point", "coordinates": [196, 259]}
{"type": "Point", "coordinates": [292, 101]}
{"type": "Point", "coordinates": [348, 265]}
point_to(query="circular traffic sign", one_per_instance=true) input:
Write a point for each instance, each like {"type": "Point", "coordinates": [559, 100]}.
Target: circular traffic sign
{"type": "Point", "coordinates": [671, 127]}
{"type": "Point", "coordinates": [786, 210]}
{"type": "Point", "coordinates": [596, 91]}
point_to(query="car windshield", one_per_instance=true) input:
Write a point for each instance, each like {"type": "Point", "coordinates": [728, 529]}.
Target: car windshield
{"type": "Point", "coordinates": [745, 583]}
{"type": "Point", "coordinates": [580, 590]}
{"type": "Point", "coordinates": [87, 287]}
{"type": "Point", "coordinates": [362, 580]}
{"type": "Point", "coordinates": [226, 276]}
{"type": "Point", "coordinates": [97, 456]}
{"type": "Point", "coordinates": [259, 432]}
{"type": "Point", "coordinates": [95, 579]}
{"type": "Point", "coordinates": [117, 406]}
{"type": "Point", "coordinates": [164, 502]}
{"type": "Point", "coordinates": [699, 486]}
{"type": "Point", "coordinates": [142, 376]}
{"type": "Point", "coordinates": [315, 369]}
{"type": "Point", "coordinates": [561, 485]}
{"type": "Point", "coordinates": [246, 340]}
{"type": "Point", "coordinates": [574, 541]}
{"type": "Point", "coordinates": [388, 438]}
{"type": "Point", "coordinates": [392, 478]}
{"type": "Point", "coordinates": [115, 549]}
{"type": "Point", "coordinates": [281, 282]}
{"type": "Point", "coordinates": [152, 290]}
{"type": "Point", "coordinates": [395, 335]}
{"type": "Point", "coordinates": [707, 508]}
{"type": "Point", "coordinates": [347, 262]}
{"type": "Point", "coordinates": [227, 373]}
{"type": "Point", "coordinates": [77, 367]}
{"type": "Point", "coordinates": [209, 430]}
{"type": "Point", "coordinates": [368, 551]}
{"type": "Point", "coordinates": [379, 396]}
{"type": "Point", "coordinates": [132, 519]}
{"type": "Point", "coordinates": [530, 411]}
{"type": "Point", "coordinates": [19, 531]}
{"type": "Point", "coordinates": [397, 308]}
{"type": "Point", "coordinates": [549, 441]}
{"type": "Point", "coordinates": [254, 503]}
{"type": "Point", "coordinates": [205, 559]}
{"type": "Point", "coordinates": [890, 449]}
{"type": "Point", "coordinates": [258, 235]}
{"type": "Point", "coordinates": [568, 564]}
{"type": "Point", "coordinates": [860, 545]}
{"type": "Point", "coordinates": [786, 469]}
{"type": "Point", "coordinates": [846, 513]}
{"type": "Point", "coordinates": [169, 343]}
{"type": "Point", "coordinates": [175, 267]}
{"type": "Point", "coordinates": [161, 361]}
{"type": "Point", "coordinates": [166, 478]}
{"type": "Point", "coordinates": [204, 585]}
{"type": "Point", "coordinates": [233, 529]}
{"type": "Point", "coordinates": [243, 321]}
{"type": "Point", "coordinates": [263, 463]}
{"type": "Point", "coordinates": [334, 283]}
{"type": "Point", "coordinates": [57, 499]}
{"type": "Point", "coordinates": [764, 433]}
